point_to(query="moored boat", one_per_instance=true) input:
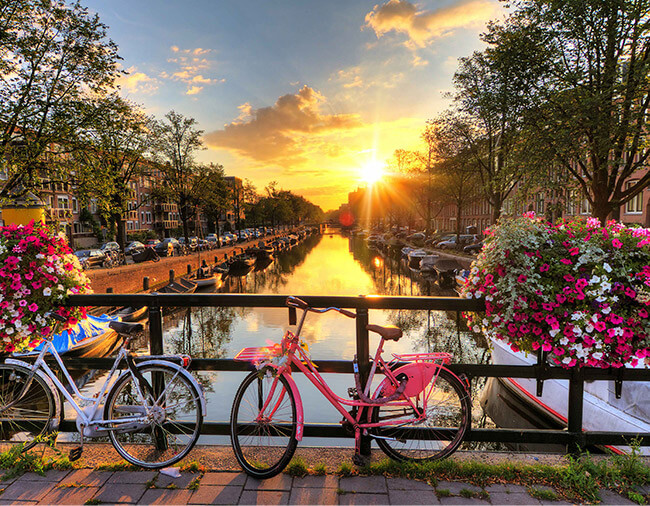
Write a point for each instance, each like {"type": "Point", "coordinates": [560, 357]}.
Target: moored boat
{"type": "Point", "coordinates": [181, 285]}
{"type": "Point", "coordinates": [415, 257]}
{"type": "Point", "coordinates": [602, 411]}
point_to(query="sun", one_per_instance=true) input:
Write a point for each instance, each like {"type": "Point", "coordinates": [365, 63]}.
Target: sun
{"type": "Point", "coordinates": [372, 171]}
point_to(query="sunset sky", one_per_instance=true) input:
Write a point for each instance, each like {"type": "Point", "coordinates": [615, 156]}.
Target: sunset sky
{"type": "Point", "coordinates": [306, 93]}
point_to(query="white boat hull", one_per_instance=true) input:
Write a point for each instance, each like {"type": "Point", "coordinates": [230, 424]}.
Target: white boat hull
{"type": "Point", "coordinates": [601, 410]}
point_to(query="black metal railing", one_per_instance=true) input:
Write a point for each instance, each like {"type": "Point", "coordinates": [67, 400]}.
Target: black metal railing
{"type": "Point", "coordinates": [573, 437]}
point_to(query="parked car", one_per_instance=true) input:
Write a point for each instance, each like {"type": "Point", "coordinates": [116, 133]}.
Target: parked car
{"type": "Point", "coordinates": [110, 246]}
{"type": "Point", "coordinates": [451, 242]}
{"type": "Point", "coordinates": [230, 237]}
{"type": "Point", "coordinates": [417, 238]}
{"type": "Point", "coordinates": [134, 247]}
{"type": "Point", "coordinates": [473, 249]}
{"type": "Point", "coordinates": [90, 258]}
{"type": "Point", "coordinates": [213, 241]}
{"type": "Point", "coordinates": [150, 243]}
{"type": "Point", "coordinates": [168, 247]}
{"type": "Point", "coordinates": [192, 243]}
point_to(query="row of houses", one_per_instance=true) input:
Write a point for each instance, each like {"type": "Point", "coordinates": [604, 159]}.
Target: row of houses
{"type": "Point", "coordinates": [144, 214]}
{"type": "Point", "coordinates": [371, 205]}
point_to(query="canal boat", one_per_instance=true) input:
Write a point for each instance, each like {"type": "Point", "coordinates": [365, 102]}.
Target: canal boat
{"type": "Point", "coordinates": [90, 338]}
{"type": "Point", "coordinates": [428, 262]}
{"type": "Point", "coordinates": [415, 257]}
{"type": "Point", "coordinates": [181, 285]}
{"type": "Point", "coordinates": [602, 411]}
{"type": "Point", "coordinates": [131, 314]}
{"type": "Point", "coordinates": [446, 269]}
{"type": "Point", "coordinates": [241, 265]}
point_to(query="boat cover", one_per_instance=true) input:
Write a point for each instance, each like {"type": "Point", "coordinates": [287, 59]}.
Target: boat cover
{"type": "Point", "coordinates": [90, 327]}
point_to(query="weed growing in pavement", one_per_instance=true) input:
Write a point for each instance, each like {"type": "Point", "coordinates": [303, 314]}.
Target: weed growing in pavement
{"type": "Point", "coordinates": [193, 467]}
{"type": "Point", "coordinates": [18, 462]}
{"type": "Point", "coordinates": [194, 484]}
{"type": "Point", "coordinates": [297, 467]}
{"type": "Point", "coordinates": [116, 466]}
{"type": "Point", "coordinates": [93, 501]}
{"type": "Point", "coordinates": [319, 469]}
{"type": "Point", "coordinates": [578, 480]}
{"type": "Point", "coordinates": [345, 469]}
{"type": "Point", "coordinates": [543, 494]}
{"type": "Point", "coordinates": [443, 492]}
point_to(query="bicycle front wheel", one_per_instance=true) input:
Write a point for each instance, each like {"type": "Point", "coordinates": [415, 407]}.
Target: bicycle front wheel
{"type": "Point", "coordinates": [433, 436]}
{"type": "Point", "coordinates": [162, 433]}
{"type": "Point", "coordinates": [263, 424]}
{"type": "Point", "coordinates": [28, 419]}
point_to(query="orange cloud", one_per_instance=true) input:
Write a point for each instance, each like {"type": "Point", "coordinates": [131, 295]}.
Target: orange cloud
{"type": "Point", "coordinates": [422, 26]}
{"type": "Point", "coordinates": [137, 82]}
{"type": "Point", "coordinates": [283, 133]}
{"type": "Point", "coordinates": [192, 64]}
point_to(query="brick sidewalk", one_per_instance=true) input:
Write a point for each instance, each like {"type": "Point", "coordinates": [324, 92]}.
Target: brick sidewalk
{"type": "Point", "coordinates": [88, 486]}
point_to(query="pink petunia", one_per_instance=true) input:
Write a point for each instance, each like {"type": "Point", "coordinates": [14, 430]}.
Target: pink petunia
{"type": "Point", "coordinates": [617, 244]}
{"type": "Point", "coordinates": [522, 278]}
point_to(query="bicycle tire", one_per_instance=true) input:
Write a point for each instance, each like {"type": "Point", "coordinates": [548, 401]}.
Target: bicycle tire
{"type": "Point", "coordinates": [449, 408]}
{"type": "Point", "coordinates": [29, 420]}
{"type": "Point", "coordinates": [171, 434]}
{"type": "Point", "coordinates": [263, 449]}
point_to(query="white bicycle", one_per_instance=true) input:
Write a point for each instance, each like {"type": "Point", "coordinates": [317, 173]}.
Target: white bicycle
{"type": "Point", "coordinates": [153, 411]}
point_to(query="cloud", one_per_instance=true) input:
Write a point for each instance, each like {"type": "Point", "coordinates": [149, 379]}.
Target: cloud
{"type": "Point", "coordinates": [192, 67]}
{"type": "Point", "coordinates": [194, 90]}
{"type": "Point", "coordinates": [137, 82]}
{"type": "Point", "coordinates": [423, 26]}
{"type": "Point", "coordinates": [283, 133]}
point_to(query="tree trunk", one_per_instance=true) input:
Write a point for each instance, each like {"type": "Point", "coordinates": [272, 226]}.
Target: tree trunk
{"type": "Point", "coordinates": [121, 231]}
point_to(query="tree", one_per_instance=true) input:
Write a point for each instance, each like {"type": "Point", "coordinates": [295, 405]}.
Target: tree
{"type": "Point", "coordinates": [585, 66]}
{"type": "Point", "coordinates": [214, 195]}
{"type": "Point", "coordinates": [55, 58]}
{"type": "Point", "coordinates": [487, 116]}
{"type": "Point", "coordinates": [176, 141]}
{"type": "Point", "coordinates": [109, 155]}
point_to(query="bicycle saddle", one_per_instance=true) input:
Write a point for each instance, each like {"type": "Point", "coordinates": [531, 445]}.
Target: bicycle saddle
{"type": "Point", "coordinates": [126, 328]}
{"type": "Point", "coordinates": [389, 332]}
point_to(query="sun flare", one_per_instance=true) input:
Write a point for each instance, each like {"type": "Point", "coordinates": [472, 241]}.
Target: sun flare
{"type": "Point", "coordinates": [372, 171]}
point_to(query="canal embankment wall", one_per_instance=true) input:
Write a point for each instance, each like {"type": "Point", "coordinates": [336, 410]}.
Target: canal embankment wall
{"type": "Point", "coordinates": [129, 278]}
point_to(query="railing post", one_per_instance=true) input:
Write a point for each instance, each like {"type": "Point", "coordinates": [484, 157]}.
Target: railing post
{"type": "Point", "coordinates": [155, 327]}
{"type": "Point", "coordinates": [171, 275]}
{"type": "Point", "coordinates": [574, 422]}
{"type": "Point", "coordinates": [363, 354]}
{"type": "Point", "coordinates": [145, 284]}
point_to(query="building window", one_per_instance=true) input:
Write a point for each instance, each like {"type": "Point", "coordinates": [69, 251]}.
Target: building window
{"type": "Point", "coordinates": [634, 206]}
{"type": "Point", "coordinates": [75, 205]}
{"type": "Point", "coordinates": [62, 202]}
{"type": "Point", "coordinates": [539, 204]}
{"type": "Point", "coordinates": [571, 197]}
{"type": "Point", "coordinates": [148, 217]}
{"type": "Point", "coordinates": [585, 206]}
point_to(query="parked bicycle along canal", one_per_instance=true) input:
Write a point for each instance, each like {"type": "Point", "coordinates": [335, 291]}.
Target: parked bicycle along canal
{"type": "Point", "coordinates": [322, 264]}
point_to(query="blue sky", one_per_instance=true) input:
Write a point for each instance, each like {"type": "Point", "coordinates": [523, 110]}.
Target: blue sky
{"type": "Point", "coordinates": [306, 93]}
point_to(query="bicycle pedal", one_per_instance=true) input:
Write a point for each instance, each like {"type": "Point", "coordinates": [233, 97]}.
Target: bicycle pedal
{"type": "Point", "coordinates": [360, 460]}
{"type": "Point", "coordinates": [75, 453]}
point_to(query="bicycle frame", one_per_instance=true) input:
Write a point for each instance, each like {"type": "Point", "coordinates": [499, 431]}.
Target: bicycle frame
{"type": "Point", "coordinates": [96, 403]}
{"type": "Point", "coordinates": [422, 370]}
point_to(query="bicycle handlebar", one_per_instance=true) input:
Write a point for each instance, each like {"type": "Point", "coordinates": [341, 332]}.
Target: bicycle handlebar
{"type": "Point", "coordinates": [301, 304]}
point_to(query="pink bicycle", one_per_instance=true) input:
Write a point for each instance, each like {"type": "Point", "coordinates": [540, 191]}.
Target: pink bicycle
{"type": "Point", "coordinates": [420, 410]}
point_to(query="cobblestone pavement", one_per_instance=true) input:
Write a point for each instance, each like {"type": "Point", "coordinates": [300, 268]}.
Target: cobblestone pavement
{"type": "Point", "coordinates": [89, 486]}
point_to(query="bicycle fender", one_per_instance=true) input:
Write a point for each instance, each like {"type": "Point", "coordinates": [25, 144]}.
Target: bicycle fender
{"type": "Point", "coordinates": [56, 396]}
{"type": "Point", "coordinates": [181, 371]}
{"type": "Point", "coordinates": [419, 376]}
{"type": "Point", "coordinates": [300, 419]}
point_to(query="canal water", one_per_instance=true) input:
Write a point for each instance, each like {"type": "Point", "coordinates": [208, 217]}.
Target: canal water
{"type": "Point", "coordinates": [322, 264]}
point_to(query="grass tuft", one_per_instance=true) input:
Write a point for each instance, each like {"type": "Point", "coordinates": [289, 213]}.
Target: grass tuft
{"type": "Point", "coordinates": [543, 494]}
{"type": "Point", "coordinates": [319, 469]}
{"type": "Point", "coordinates": [116, 466]}
{"type": "Point", "coordinates": [194, 484]}
{"type": "Point", "coordinates": [297, 467]}
{"type": "Point", "coordinates": [345, 469]}
{"type": "Point", "coordinates": [193, 467]}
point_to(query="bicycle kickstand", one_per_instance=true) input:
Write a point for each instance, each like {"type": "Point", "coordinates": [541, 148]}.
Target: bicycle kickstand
{"type": "Point", "coordinates": [358, 459]}
{"type": "Point", "coordinates": [75, 453]}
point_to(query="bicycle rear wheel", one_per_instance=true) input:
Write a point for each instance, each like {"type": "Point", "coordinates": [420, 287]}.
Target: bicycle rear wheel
{"type": "Point", "coordinates": [263, 442]}
{"type": "Point", "coordinates": [441, 431]}
{"type": "Point", "coordinates": [175, 417]}
{"type": "Point", "coordinates": [29, 419]}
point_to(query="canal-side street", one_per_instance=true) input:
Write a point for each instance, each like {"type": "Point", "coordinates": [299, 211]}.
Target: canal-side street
{"type": "Point", "coordinates": [217, 480]}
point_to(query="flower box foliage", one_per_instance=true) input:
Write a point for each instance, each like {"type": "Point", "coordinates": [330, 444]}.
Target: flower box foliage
{"type": "Point", "coordinates": [37, 271]}
{"type": "Point", "coordinates": [577, 290]}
